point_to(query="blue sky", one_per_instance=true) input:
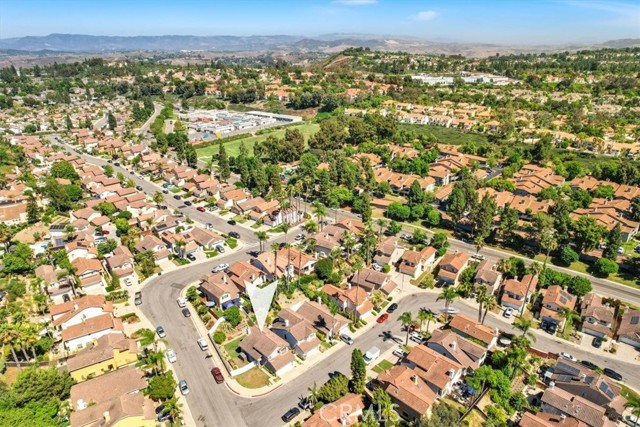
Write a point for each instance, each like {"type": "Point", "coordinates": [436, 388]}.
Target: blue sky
{"type": "Point", "coordinates": [492, 21]}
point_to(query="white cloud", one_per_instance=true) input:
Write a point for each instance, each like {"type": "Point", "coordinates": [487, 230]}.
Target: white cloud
{"type": "Point", "coordinates": [355, 2]}
{"type": "Point", "coordinates": [426, 15]}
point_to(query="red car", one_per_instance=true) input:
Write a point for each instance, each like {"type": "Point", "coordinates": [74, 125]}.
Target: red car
{"type": "Point", "coordinates": [217, 375]}
{"type": "Point", "coordinates": [105, 232]}
{"type": "Point", "coordinates": [383, 317]}
{"type": "Point", "coordinates": [200, 208]}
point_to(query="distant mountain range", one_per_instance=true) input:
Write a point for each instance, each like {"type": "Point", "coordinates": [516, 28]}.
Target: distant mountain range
{"type": "Point", "coordinates": [79, 43]}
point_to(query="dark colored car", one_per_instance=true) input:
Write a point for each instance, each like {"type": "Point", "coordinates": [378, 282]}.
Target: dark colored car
{"type": "Point", "coordinates": [612, 374]}
{"type": "Point", "coordinates": [382, 318]}
{"type": "Point", "coordinates": [217, 375]}
{"type": "Point", "coordinates": [191, 257]}
{"type": "Point", "coordinates": [139, 188]}
{"type": "Point", "coordinates": [177, 197]}
{"type": "Point", "coordinates": [597, 342]}
{"type": "Point", "coordinates": [234, 235]}
{"type": "Point", "coordinates": [188, 203]}
{"type": "Point", "coordinates": [160, 331]}
{"type": "Point", "coordinates": [165, 191]}
{"type": "Point", "coordinates": [393, 307]}
{"type": "Point", "coordinates": [186, 312]}
{"type": "Point", "coordinates": [589, 365]}
{"type": "Point", "coordinates": [231, 222]}
{"type": "Point", "coordinates": [161, 414]}
{"type": "Point", "coordinates": [116, 164]}
{"type": "Point", "coordinates": [290, 414]}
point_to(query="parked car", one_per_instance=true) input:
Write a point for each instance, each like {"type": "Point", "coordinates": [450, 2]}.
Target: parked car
{"type": "Point", "coordinates": [417, 337]}
{"type": "Point", "coordinates": [382, 318]}
{"type": "Point", "coordinates": [200, 209]}
{"type": "Point", "coordinates": [450, 310]}
{"type": "Point", "coordinates": [161, 414]}
{"type": "Point", "coordinates": [567, 356]}
{"type": "Point", "coordinates": [479, 257]}
{"type": "Point", "coordinates": [138, 187]}
{"type": "Point", "coordinates": [393, 307]}
{"type": "Point", "coordinates": [612, 374]}
{"type": "Point", "coordinates": [182, 302]}
{"type": "Point", "coordinates": [165, 191]}
{"type": "Point", "coordinates": [299, 236]}
{"type": "Point", "coordinates": [177, 197]}
{"type": "Point", "coordinates": [589, 365]}
{"type": "Point", "coordinates": [400, 353]}
{"type": "Point", "coordinates": [186, 312]}
{"type": "Point", "coordinates": [160, 331]}
{"type": "Point", "coordinates": [137, 300]}
{"type": "Point", "coordinates": [231, 222]}
{"type": "Point", "coordinates": [372, 354]}
{"type": "Point", "coordinates": [346, 338]}
{"type": "Point", "coordinates": [290, 414]}
{"type": "Point", "coordinates": [220, 267]}
{"type": "Point", "coordinates": [217, 375]}
{"type": "Point", "coordinates": [116, 164]}
{"type": "Point", "coordinates": [508, 312]}
{"type": "Point", "coordinates": [376, 267]}
{"type": "Point", "coordinates": [184, 387]}
{"type": "Point", "coordinates": [305, 403]}
{"type": "Point", "coordinates": [191, 257]}
{"type": "Point", "coordinates": [105, 232]}
{"type": "Point", "coordinates": [171, 355]}
{"type": "Point", "coordinates": [202, 343]}
{"type": "Point", "coordinates": [596, 342]}
{"type": "Point", "coordinates": [188, 203]}
{"type": "Point", "coordinates": [234, 234]}
{"type": "Point", "coordinates": [220, 248]}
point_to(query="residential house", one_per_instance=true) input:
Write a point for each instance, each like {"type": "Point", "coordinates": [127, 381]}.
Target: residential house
{"type": "Point", "coordinates": [372, 280]}
{"type": "Point", "coordinates": [329, 238]}
{"type": "Point", "coordinates": [120, 264]}
{"type": "Point", "coordinates": [437, 370]}
{"type": "Point", "coordinates": [298, 332]}
{"type": "Point", "coordinates": [89, 272]}
{"type": "Point", "coordinates": [597, 319]}
{"type": "Point", "coordinates": [344, 412]}
{"type": "Point", "coordinates": [412, 395]}
{"type": "Point", "coordinates": [79, 335]}
{"type": "Point", "coordinates": [267, 349]}
{"type": "Point", "coordinates": [330, 325]}
{"type": "Point", "coordinates": [289, 215]}
{"type": "Point", "coordinates": [452, 266]}
{"type": "Point", "coordinates": [155, 245]}
{"type": "Point", "coordinates": [290, 262]}
{"type": "Point", "coordinates": [468, 354]}
{"type": "Point", "coordinates": [127, 380]}
{"type": "Point", "coordinates": [488, 276]}
{"type": "Point", "coordinates": [243, 275]}
{"type": "Point", "coordinates": [350, 300]}
{"type": "Point", "coordinates": [53, 286]}
{"type": "Point", "coordinates": [554, 301]}
{"type": "Point", "coordinates": [475, 331]}
{"type": "Point", "coordinates": [629, 329]}
{"type": "Point", "coordinates": [388, 251]}
{"type": "Point", "coordinates": [415, 263]}
{"type": "Point", "coordinates": [206, 239]}
{"type": "Point", "coordinates": [220, 291]}
{"type": "Point", "coordinates": [516, 293]}
{"type": "Point", "coordinates": [107, 353]}
{"type": "Point", "coordinates": [74, 312]}
{"type": "Point", "coordinates": [560, 402]}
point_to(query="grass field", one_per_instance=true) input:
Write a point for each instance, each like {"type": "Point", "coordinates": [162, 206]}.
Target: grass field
{"type": "Point", "coordinates": [444, 135]}
{"type": "Point", "coordinates": [382, 366]}
{"type": "Point", "coordinates": [233, 147]}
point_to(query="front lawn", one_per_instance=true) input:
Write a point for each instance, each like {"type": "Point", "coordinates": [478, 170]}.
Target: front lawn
{"type": "Point", "coordinates": [253, 378]}
{"type": "Point", "coordinates": [382, 366]}
{"type": "Point", "coordinates": [232, 243]}
{"type": "Point", "coordinates": [211, 254]}
{"type": "Point", "coordinates": [233, 350]}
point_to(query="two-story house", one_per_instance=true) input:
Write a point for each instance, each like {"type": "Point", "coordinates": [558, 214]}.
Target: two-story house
{"type": "Point", "coordinates": [451, 267]}
{"type": "Point", "coordinates": [107, 353]}
{"type": "Point", "coordinates": [555, 299]}
{"type": "Point", "coordinates": [388, 251]}
{"type": "Point", "coordinates": [220, 291]}
{"type": "Point", "coordinates": [415, 263]}
{"type": "Point", "coordinates": [439, 372]}
{"type": "Point", "coordinates": [372, 280]}
{"type": "Point", "coordinates": [597, 318]}
{"type": "Point", "coordinates": [411, 394]}
{"type": "Point", "coordinates": [120, 263]}
{"type": "Point", "coordinates": [298, 332]}
{"type": "Point", "coordinates": [155, 245]}
{"type": "Point", "coordinates": [488, 276]}
{"type": "Point", "coordinates": [629, 329]}
{"type": "Point", "coordinates": [516, 293]}
{"type": "Point", "coordinates": [267, 349]}
{"type": "Point", "coordinates": [468, 354]}
{"type": "Point", "coordinates": [350, 300]}
{"type": "Point", "coordinates": [475, 331]}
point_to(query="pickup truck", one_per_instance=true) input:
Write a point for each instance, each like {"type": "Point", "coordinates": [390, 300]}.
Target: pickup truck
{"type": "Point", "coordinates": [372, 354]}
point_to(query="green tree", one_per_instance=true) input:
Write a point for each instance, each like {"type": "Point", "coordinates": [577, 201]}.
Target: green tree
{"type": "Point", "coordinates": [568, 256]}
{"type": "Point", "coordinates": [67, 122]}
{"type": "Point", "coordinates": [122, 226]}
{"type": "Point", "coordinates": [162, 387]}
{"type": "Point", "coordinates": [449, 295]}
{"type": "Point", "coordinates": [634, 211]}
{"type": "Point", "coordinates": [224, 170]}
{"type": "Point", "coordinates": [358, 372]}
{"type": "Point", "coordinates": [39, 385]}
{"type": "Point", "coordinates": [406, 319]}
{"type": "Point", "coordinates": [33, 213]}
{"type": "Point", "coordinates": [524, 325]}
{"type": "Point", "coordinates": [333, 389]}
{"type": "Point", "coordinates": [262, 237]}
{"type": "Point", "coordinates": [442, 415]}
{"type": "Point", "coordinates": [158, 197]}
{"type": "Point", "coordinates": [544, 234]}
{"type": "Point", "coordinates": [383, 402]}
{"type": "Point", "coordinates": [456, 204]}
{"type": "Point", "coordinates": [324, 268]}
{"type": "Point", "coordinates": [614, 240]}
{"type": "Point", "coordinates": [63, 169]}
{"type": "Point", "coordinates": [605, 267]}
{"type": "Point", "coordinates": [579, 286]}
{"type": "Point", "coordinates": [482, 216]}
{"type": "Point", "coordinates": [587, 233]}
{"type": "Point", "coordinates": [108, 170]}
{"type": "Point", "coordinates": [569, 316]}
{"type": "Point", "coordinates": [106, 208]}
{"type": "Point", "coordinates": [233, 316]}
{"type": "Point", "coordinates": [111, 120]}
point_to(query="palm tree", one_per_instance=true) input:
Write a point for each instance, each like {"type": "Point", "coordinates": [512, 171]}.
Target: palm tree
{"type": "Point", "coordinates": [158, 198]}
{"type": "Point", "coordinates": [285, 226]}
{"type": "Point", "coordinates": [382, 223]}
{"type": "Point", "coordinates": [406, 319]}
{"type": "Point", "coordinates": [179, 245]}
{"type": "Point", "coordinates": [480, 299]}
{"type": "Point", "coordinates": [5, 235]}
{"type": "Point", "coordinates": [311, 226]}
{"type": "Point", "coordinates": [274, 247]}
{"type": "Point", "coordinates": [448, 295]}
{"type": "Point", "coordinates": [172, 407]}
{"type": "Point", "coordinates": [358, 263]}
{"type": "Point", "coordinates": [425, 315]}
{"type": "Point", "coordinates": [348, 241]}
{"type": "Point", "coordinates": [569, 316]}
{"type": "Point", "coordinates": [534, 270]}
{"type": "Point", "coordinates": [524, 325]}
{"type": "Point", "coordinates": [262, 237]}
{"type": "Point", "coordinates": [489, 304]}
{"type": "Point", "coordinates": [154, 359]}
{"type": "Point", "coordinates": [320, 211]}
{"type": "Point", "coordinates": [313, 394]}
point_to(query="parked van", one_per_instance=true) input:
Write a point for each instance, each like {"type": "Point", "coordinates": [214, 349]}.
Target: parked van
{"type": "Point", "coordinates": [372, 354]}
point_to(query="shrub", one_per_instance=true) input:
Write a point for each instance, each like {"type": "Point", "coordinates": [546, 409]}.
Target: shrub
{"type": "Point", "coordinates": [604, 267]}
{"type": "Point", "coordinates": [324, 268]}
{"type": "Point", "coordinates": [233, 316]}
{"type": "Point", "coordinates": [568, 256]}
{"type": "Point", "coordinates": [386, 268]}
{"type": "Point", "coordinates": [219, 337]}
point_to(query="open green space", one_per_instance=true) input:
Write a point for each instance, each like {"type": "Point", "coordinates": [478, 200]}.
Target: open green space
{"type": "Point", "coordinates": [233, 147]}
{"type": "Point", "coordinates": [445, 135]}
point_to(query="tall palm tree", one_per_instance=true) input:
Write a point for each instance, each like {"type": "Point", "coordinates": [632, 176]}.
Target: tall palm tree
{"type": "Point", "coordinates": [358, 263]}
{"type": "Point", "coordinates": [262, 237]}
{"type": "Point", "coordinates": [406, 319]}
{"type": "Point", "coordinates": [285, 226]}
{"type": "Point", "coordinates": [524, 325]}
{"type": "Point", "coordinates": [569, 316]}
{"type": "Point", "coordinates": [274, 247]}
{"type": "Point", "coordinates": [425, 315]}
{"type": "Point", "coordinates": [480, 299]}
{"type": "Point", "coordinates": [320, 211]}
{"type": "Point", "coordinates": [173, 408]}
{"type": "Point", "coordinates": [382, 223]}
{"type": "Point", "coordinates": [448, 295]}
{"type": "Point", "coordinates": [489, 304]}
{"type": "Point", "coordinates": [313, 394]}
{"type": "Point", "coordinates": [348, 241]}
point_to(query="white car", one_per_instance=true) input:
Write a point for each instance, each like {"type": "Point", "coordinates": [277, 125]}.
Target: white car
{"type": "Point", "coordinates": [220, 267]}
{"type": "Point", "coordinates": [478, 257]}
{"type": "Point", "coordinates": [202, 343]}
{"type": "Point", "coordinates": [417, 338]}
{"type": "Point", "coordinates": [567, 356]}
{"type": "Point", "coordinates": [171, 355]}
{"type": "Point", "coordinates": [376, 267]}
{"type": "Point", "coordinates": [400, 353]}
{"type": "Point", "coordinates": [182, 302]}
{"type": "Point", "coordinates": [508, 312]}
{"type": "Point", "coordinates": [300, 236]}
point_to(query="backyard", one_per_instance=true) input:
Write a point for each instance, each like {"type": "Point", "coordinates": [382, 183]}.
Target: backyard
{"type": "Point", "coordinates": [233, 147]}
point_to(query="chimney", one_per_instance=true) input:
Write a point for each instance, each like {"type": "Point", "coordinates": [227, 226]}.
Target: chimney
{"type": "Point", "coordinates": [75, 307]}
{"type": "Point", "coordinates": [454, 346]}
{"type": "Point", "coordinates": [562, 418]}
{"type": "Point", "coordinates": [248, 331]}
{"type": "Point", "coordinates": [414, 378]}
{"type": "Point", "coordinates": [106, 416]}
{"type": "Point", "coordinates": [348, 285]}
{"type": "Point", "coordinates": [343, 420]}
{"type": "Point", "coordinates": [286, 323]}
{"type": "Point", "coordinates": [552, 384]}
